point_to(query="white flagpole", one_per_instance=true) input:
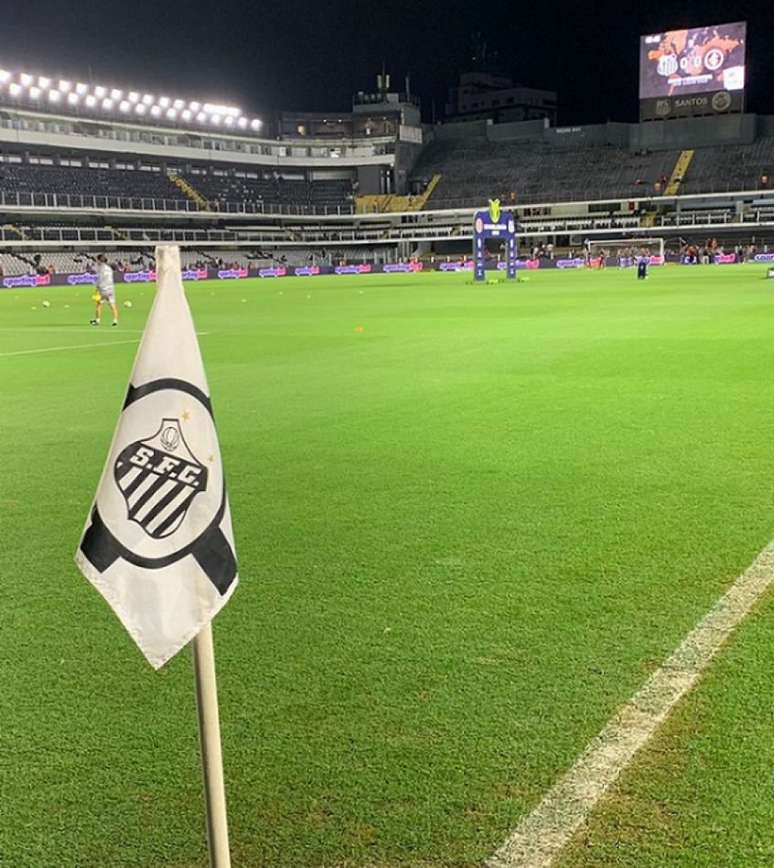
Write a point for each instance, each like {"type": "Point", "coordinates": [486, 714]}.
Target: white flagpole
{"type": "Point", "coordinates": [212, 760]}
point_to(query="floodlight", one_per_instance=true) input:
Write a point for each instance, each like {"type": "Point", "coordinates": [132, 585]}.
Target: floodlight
{"type": "Point", "coordinates": [179, 104]}
{"type": "Point", "coordinates": [242, 122]}
{"type": "Point", "coordinates": [73, 98]}
{"type": "Point", "coordinates": [140, 108]}
{"type": "Point", "coordinates": [44, 82]}
{"type": "Point", "coordinates": [215, 119]}
{"type": "Point", "coordinates": [186, 115]}
{"type": "Point", "coordinates": [4, 75]}
{"type": "Point", "coordinates": [26, 79]}
{"type": "Point", "coordinates": [255, 124]}
{"type": "Point", "coordinates": [124, 105]}
{"type": "Point", "coordinates": [164, 101]}
{"type": "Point", "coordinates": [194, 106]}
{"type": "Point", "coordinates": [14, 89]}
{"type": "Point", "coordinates": [171, 114]}
{"type": "Point", "coordinates": [155, 111]}
{"type": "Point", "coordinates": [107, 104]}
{"type": "Point", "coordinates": [228, 121]}
{"type": "Point", "coordinates": [34, 93]}
{"type": "Point", "coordinates": [64, 85]}
{"type": "Point", "coordinates": [133, 96]}
{"type": "Point", "coordinates": [116, 93]}
{"type": "Point", "coordinates": [54, 96]}
{"type": "Point", "coordinates": [91, 100]}
{"type": "Point", "coordinates": [81, 88]}
{"type": "Point", "coordinates": [147, 99]}
{"type": "Point", "coordinates": [215, 109]}
{"type": "Point", "coordinates": [99, 91]}
{"type": "Point", "coordinates": [201, 117]}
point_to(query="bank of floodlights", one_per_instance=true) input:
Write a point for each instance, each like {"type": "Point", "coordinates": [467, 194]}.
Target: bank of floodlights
{"type": "Point", "coordinates": [99, 99]}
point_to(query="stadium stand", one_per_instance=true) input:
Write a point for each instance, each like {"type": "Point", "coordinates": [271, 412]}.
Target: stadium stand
{"type": "Point", "coordinates": [238, 185]}
{"type": "Point", "coordinates": [730, 167]}
{"type": "Point", "coordinates": [68, 180]}
{"type": "Point", "coordinates": [473, 169]}
{"type": "Point", "coordinates": [217, 186]}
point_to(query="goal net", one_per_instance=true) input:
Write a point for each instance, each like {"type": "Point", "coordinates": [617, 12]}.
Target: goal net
{"type": "Point", "coordinates": [626, 253]}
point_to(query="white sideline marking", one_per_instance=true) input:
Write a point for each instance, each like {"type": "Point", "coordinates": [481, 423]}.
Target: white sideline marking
{"type": "Point", "coordinates": [79, 346]}
{"type": "Point", "coordinates": [69, 347]}
{"type": "Point", "coordinates": [542, 834]}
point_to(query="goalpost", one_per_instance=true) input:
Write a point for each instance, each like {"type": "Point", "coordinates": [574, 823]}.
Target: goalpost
{"type": "Point", "coordinates": [627, 251]}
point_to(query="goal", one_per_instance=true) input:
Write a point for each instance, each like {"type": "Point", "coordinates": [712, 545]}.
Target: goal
{"type": "Point", "coordinates": [626, 252]}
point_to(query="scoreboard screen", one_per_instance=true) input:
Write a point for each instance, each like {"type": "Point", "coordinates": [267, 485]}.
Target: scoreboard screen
{"type": "Point", "coordinates": [698, 60]}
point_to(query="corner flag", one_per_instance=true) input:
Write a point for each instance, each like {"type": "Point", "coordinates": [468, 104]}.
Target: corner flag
{"type": "Point", "coordinates": [158, 543]}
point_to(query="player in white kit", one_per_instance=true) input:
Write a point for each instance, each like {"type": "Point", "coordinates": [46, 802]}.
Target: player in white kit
{"type": "Point", "coordinates": [105, 290]}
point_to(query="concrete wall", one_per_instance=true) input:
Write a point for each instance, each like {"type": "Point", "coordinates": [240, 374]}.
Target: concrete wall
{"type": "Point", "coordinates": [693, 132]}
{"type": "Point", "coordinates": [651, 135]}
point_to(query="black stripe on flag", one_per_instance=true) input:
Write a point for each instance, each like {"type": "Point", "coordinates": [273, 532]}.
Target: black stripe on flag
{"type": "Point", "coordinates": [123, 468]}
{"type": "Point", "coordinates": [170, 520]}
{"type": "Point", "coordinates": [135, 483]}
{"type": "Point", "coordinates": [163, 503]}
{"type": "Point", "coordinates": [147, 494]}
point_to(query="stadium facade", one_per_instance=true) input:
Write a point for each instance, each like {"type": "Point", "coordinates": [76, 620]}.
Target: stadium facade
{"type": "Point", "coordinates": [86, 168]}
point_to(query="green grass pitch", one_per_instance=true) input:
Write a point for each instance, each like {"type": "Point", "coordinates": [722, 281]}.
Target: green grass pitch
{"type": "Point", "coordinates": [470, 522]}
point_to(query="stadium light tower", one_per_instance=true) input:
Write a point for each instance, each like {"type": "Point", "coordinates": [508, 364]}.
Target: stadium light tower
{"type": "Point", "coordinates": [4, 75]}
{"type": "Point", "coordinates": [34, 92]}
{"type": "Point", "coordinates": [54, 96]}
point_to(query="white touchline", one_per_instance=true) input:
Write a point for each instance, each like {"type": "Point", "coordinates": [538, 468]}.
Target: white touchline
{"type": "Point", "coordinates": [78, 347]}
{"type": "Point", "coordinates": [69, 347]}
{"type": "Point", "coordinates": [542, 834]}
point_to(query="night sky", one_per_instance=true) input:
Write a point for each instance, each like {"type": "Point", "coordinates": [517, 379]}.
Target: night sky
{"type": "Point", "coordinates": [312, 54]}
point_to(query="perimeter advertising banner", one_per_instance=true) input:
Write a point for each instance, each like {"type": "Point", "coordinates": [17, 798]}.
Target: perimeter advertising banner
{"type": "Point", "coordinates": [696, 71]}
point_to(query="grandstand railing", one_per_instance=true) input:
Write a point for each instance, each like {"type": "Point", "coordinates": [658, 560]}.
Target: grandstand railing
{"type": "Point", "coordinates": [638, 192]}
{"type": "Point", "coordinates": [31, 237]}
{"type": "Point", "coordinates": [17, 199]}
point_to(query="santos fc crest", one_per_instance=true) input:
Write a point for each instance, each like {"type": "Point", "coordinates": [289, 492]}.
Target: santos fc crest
{"type": "Point", "coordinates": [159, 477]}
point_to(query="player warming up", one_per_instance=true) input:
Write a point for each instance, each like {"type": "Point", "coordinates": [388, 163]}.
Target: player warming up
{"type": "Point", "coordinates": [105, 290]}
{"type": "Point", "coordinates": [642, 267]}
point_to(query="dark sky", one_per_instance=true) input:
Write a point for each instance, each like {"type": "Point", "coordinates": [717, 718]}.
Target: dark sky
{"type": "Point", "coordinates": [268, 55]}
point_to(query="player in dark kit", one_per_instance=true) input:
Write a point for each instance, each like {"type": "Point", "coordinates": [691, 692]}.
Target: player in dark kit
{"type": "Point", "coordinates": [642, 267]}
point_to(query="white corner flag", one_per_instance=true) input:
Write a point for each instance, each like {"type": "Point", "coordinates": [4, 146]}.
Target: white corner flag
{"type": "Point", "coordinates": [158, 543]}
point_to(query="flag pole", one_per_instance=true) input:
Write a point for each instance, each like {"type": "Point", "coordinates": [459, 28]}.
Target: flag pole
{"type": "Point", "coordinates": [212, 759]}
